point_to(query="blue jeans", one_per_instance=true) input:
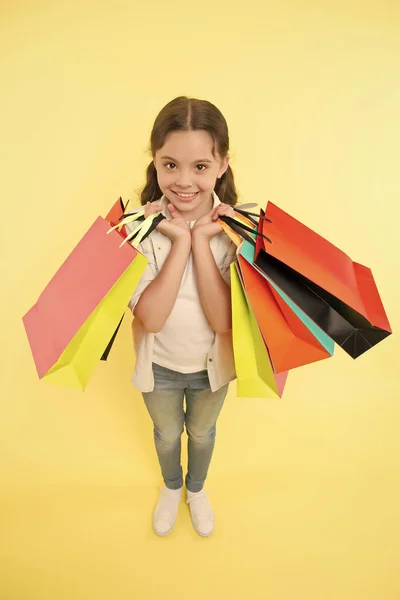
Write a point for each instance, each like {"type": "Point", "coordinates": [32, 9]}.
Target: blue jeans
{"type": "Point", "coordinates": [165, 405]}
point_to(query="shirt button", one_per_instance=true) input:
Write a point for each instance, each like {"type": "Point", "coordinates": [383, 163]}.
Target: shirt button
{"type": "Point", "coordinates": [210, 360]}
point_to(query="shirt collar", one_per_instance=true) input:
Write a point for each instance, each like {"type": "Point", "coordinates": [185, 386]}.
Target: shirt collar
{"type": "Point", "coordinates": [164, 203]}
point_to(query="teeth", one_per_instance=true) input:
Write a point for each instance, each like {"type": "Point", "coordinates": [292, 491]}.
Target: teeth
{"type": "Point", "coordinates": [186, 195]}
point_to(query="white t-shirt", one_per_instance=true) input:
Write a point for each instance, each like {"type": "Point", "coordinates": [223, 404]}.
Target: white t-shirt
{"type": "Point", "coordinates": [189, 343]}
{"type": "Point", "coordinates": [186, 337]}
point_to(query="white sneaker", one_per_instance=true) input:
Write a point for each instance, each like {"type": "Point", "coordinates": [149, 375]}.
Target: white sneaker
{"type": "Point", "coordinates": [166, 511]}
{"type": "Point", "coordinates": [201, 511]}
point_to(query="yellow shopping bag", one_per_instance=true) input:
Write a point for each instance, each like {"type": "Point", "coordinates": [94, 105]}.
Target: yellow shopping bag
{"type": "Point", "coordinates": [77, 363]}
{"type": "Point", "coordinates": [255, 376]}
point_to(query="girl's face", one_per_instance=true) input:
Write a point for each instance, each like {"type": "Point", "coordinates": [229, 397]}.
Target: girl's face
{"type": "Point", "coordinates": [187, 171]}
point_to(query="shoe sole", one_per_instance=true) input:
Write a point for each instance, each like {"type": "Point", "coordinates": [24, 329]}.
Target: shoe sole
{"type": "Point", "coordinates": [203, 534]}
{"type": "Point", "coordinates": [161, 534]}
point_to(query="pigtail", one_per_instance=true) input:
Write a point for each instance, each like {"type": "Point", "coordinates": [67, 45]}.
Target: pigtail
{"type": "Point", "coordinates": [151, 191]}
{"type": "Point", "coordinates": [225, 188]}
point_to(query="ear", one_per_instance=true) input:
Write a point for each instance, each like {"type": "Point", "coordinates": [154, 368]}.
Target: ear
{"type": "Point", "coordinates": [224, 166]}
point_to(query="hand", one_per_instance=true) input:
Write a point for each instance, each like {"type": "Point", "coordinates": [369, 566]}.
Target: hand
{"type": "Point", "coordinates": [151, 208]}
{"type": "Point", "coordinates": [177, 227]}
{"type": "Point", "coordinates": [207, 227]}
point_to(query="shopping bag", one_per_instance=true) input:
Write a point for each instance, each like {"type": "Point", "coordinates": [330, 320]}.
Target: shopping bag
{"type": "Point", "coordinates": [241, 227]}
{"type": "Point", "coordinates": [292, 338]}
{"type": "Point", "coordinates": [236, 235]}
{"type": "Point", "coordinates": [255, 375]}
{"type": "Point", "coordinates": [339, 295]}
{"type": "Point", "coordinates": [76, 315]}
{"type": "Point", "coordinates": [110, 344]}
{"type": "Point", "coordinates": [113, 217]}
{"type": "Point", "coordinates": [118, 219]}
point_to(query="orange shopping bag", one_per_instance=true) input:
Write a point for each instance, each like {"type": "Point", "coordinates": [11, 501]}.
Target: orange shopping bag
{"type": "Point", "coordinates": [292, 338]}
{"type": "Point", "coordinates": [255, 375]}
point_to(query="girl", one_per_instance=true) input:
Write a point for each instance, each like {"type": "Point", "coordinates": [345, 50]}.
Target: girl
{"type": "Point", "coordinates": [182, 306]}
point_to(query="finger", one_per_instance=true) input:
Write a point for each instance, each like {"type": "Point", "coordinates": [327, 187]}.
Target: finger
{"type": "Point", "coordinates": [227, 211]}
{"type": "Point", "coordinates": [215, 213]}
{"type": "Point", "coordinates": [221, 209]}
{"type": "Point", "coordinates": [174, 212]}
{"type": "Point", "coordinates": [151, 208]}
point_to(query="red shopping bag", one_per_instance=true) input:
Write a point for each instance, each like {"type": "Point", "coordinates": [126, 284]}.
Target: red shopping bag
{"type": "Point", "coordinates": [115, 215]}
{"type": "Point", "coordinates": [338, 294]}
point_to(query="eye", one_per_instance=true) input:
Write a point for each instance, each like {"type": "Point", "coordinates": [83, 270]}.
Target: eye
{"type": "Point", "coordinates": [199, 165]}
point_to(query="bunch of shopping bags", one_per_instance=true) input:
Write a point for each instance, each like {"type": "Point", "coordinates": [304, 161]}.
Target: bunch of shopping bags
{"type": "Point", "coordinates": [294, 295]}
{"type": "Point", "coordinates": [74, 322]}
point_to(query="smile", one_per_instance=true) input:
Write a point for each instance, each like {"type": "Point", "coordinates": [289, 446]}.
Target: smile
{"type": "Point", "coordinates": [186, 196]}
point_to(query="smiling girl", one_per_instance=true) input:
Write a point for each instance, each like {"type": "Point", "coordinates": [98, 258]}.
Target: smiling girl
{"type": "Point", "coordinates": [182, 307]}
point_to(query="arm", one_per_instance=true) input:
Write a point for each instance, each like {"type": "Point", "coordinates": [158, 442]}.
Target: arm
{"type": "Point", "coordinates": [214, 292]}
{"type": "Point", "coordinates": [158, 299]}
{"type": "Point", "coordinates": [159, 291]}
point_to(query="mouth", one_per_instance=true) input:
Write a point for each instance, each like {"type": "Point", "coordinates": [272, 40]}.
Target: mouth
{"type": "Point", "coordinates": [185, 197]}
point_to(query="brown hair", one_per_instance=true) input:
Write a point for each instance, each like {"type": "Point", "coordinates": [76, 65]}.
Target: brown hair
{"type": "Point", "coordinates": [190, 114]}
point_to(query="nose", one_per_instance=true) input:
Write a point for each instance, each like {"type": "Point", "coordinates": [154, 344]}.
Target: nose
{"type": "Point", "coordinates": [184, 180]}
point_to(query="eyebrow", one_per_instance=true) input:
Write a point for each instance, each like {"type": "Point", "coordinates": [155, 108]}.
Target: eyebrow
{"type": "Point", "coordinates": [201, 160]}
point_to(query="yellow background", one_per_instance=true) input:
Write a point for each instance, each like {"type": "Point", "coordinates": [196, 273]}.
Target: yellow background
{"type": "Point", "coordinates": [305, 489]}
